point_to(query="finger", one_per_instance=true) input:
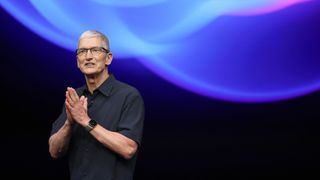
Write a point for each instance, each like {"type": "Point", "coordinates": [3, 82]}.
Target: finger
{"type": "Point", "coordinates": [68, 106]}
{"type": "Point", "coordinates": [81, 99]}
{"type": "Point", "coordinates": [85, 103]}
{"type": "Point", "coordinates": [68, 96]}
{"type": "Point", "coordinates": [69, 100]}
{"type": "Point", "coordinates": [73, 94]}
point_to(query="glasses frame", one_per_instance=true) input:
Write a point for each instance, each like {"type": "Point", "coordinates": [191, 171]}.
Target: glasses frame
{"type": "Point", "coordinates": [85, 51]}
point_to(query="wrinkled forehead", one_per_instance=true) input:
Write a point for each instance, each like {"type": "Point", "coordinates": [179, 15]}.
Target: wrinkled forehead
{"type": "Point", "coordinates": [91, 41]}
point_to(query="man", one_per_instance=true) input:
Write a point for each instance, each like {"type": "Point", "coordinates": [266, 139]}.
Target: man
{"type": "Point", "coordinates": [101, 123]}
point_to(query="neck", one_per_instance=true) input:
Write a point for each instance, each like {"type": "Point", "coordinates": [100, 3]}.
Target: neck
{"type": "Point", "coordinates": [94, 81]}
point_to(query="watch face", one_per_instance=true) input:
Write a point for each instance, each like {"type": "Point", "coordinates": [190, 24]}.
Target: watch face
{"type": "Point", "coordinates": [92, 123]}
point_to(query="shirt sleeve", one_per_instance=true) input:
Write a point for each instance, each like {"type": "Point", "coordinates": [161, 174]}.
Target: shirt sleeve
{"type": "Point", "coordinates": [58, 123]}
{"type": "Point", "coordinates": [132, 117]}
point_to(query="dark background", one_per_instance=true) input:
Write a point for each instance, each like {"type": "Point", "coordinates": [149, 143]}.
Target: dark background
{"type": "Point", "coordinates": [186, 136]}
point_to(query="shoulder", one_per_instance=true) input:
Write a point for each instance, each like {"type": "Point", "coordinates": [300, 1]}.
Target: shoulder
{"type": "Point", "coordinates": [125, 89]}
{"type": "Point", "coordinates": [129, 95]}
{"type": "Point", "coordinates": [126, 92]}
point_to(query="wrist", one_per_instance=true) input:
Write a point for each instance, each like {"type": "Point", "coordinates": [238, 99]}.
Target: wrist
{"type": "Point", "coordinates": [68, 122]}
{"type": "Point", "coordinates": [85, 121]}
{"type": "Point", "coordinates": [91, 125]}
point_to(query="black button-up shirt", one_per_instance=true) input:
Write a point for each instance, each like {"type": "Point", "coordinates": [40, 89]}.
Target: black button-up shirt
{"type": "Point", "coordinates": [117, 107]}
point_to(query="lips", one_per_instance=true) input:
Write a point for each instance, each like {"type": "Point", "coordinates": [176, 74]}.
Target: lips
{"type": "Point", "coordinates": [89, 64]}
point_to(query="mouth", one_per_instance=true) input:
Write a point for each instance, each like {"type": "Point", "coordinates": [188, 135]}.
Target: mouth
{"type": "Point", "coordinates": [89, 64]}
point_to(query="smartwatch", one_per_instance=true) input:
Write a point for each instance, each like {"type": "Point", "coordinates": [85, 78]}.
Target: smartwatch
{"type": "Point", "coordinates": [91, 124]}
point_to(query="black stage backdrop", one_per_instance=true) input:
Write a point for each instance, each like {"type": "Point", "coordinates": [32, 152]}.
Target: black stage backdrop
{"type": "Point", "coordinates": [186, 136]}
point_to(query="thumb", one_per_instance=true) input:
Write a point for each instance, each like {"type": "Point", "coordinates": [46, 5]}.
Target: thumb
{"type": "Point", "coordinates": [85, 103]}
{"type": "Point", "coordinates": [81, 99]}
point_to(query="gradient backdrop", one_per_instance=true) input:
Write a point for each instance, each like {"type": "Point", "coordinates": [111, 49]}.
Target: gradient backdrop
{"type": "Point", "coordinates": [230, 91]}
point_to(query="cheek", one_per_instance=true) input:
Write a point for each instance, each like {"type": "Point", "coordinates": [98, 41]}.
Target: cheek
{"type": "Point", "coordinates": [102, 65]}
{"type": "Point", "coordinates": [79, 63]}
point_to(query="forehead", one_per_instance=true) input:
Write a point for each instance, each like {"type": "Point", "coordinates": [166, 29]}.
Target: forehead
{"type": "Point", "coordinates": [88, 42]}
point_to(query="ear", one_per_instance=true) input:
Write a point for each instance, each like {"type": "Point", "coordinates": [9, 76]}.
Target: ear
{"type": "Point", "coordinates": [78, 64]}
{"type": "Point", "coordinates": [109, 58]}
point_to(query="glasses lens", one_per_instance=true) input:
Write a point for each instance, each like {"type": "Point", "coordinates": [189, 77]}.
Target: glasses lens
{"type": "Point", "coordinates": [81, 52]}
{"type": "Point", "coordinates": [95, 51]}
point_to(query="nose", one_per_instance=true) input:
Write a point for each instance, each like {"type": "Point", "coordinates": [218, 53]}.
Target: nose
{"type": "Point", "coordinates": [89, 54]}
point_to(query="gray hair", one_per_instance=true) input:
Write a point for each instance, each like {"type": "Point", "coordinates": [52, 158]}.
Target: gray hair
{"type": "Point", "coordinates": [94, 33]}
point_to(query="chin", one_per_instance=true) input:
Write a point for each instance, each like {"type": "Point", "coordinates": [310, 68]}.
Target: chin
{"type": "Point", "coordinates": [89, 72]}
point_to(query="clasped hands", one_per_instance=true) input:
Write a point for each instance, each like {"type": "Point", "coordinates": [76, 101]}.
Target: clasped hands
{"type": "Point", "coordinates": [76, 108]}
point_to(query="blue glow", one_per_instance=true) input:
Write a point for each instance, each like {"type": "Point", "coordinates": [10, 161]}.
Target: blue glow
{"type": "Point", "coordinates": [218, 48]}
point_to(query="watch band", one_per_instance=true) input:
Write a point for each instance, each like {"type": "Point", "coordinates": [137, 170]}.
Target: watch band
{"type": "Point", "coordinates": [91, 124]}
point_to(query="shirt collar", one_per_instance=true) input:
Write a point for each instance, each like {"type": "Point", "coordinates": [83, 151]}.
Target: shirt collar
{"type": "Point", "coordinates": [105, 88]}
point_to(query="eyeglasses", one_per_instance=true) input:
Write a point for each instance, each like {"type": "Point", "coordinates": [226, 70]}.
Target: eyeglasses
{"type": "Point", "coordinates": [95, 51]}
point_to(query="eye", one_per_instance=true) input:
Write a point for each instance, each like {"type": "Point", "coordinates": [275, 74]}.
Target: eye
{"type": "Point", "coordinates": [81, 51]}
{"type": "Point", "coordinates": [95, 50]}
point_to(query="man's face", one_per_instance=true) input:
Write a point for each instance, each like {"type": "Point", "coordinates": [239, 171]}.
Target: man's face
{"type": "Point", "coordinates": [92, 57]}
